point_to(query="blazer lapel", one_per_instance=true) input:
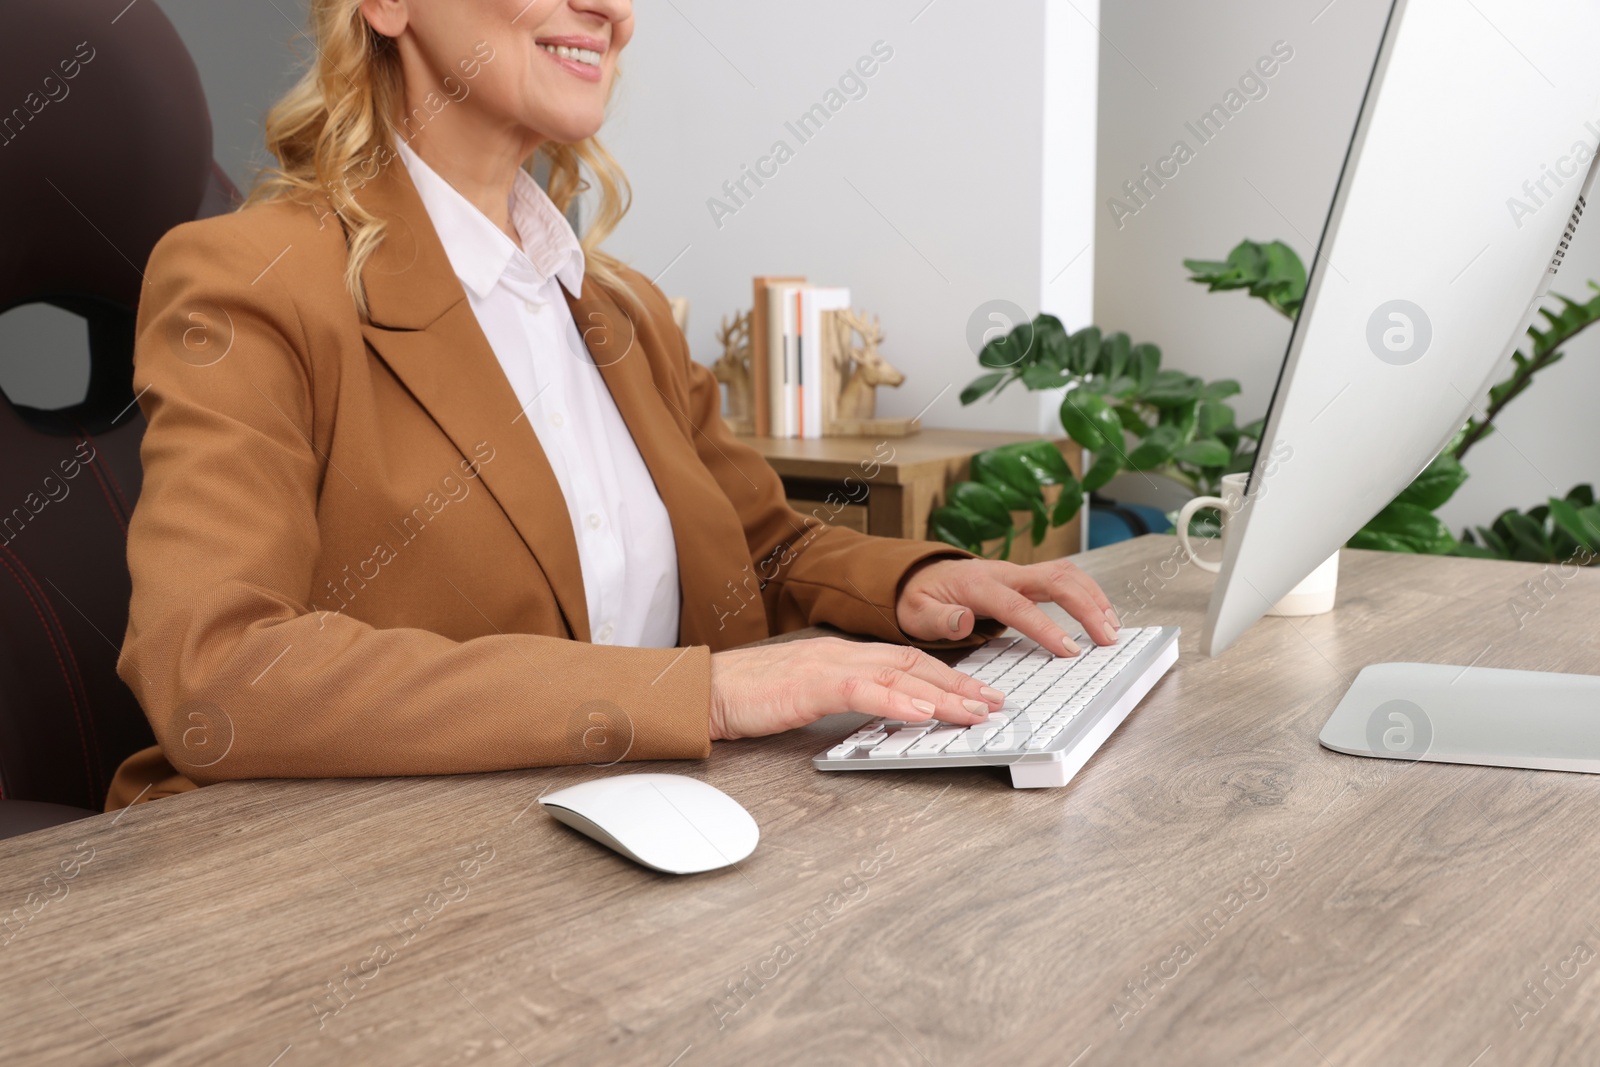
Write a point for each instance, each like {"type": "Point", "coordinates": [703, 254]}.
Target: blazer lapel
{"type": "Point", "coordinates": [708, 534]}
{"type": "Point", "coordinates": [424, 330]}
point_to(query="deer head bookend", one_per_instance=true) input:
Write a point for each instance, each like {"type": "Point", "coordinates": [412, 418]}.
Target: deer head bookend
{"type": "Point", "coordinates": [866, 368]}
{"type": "Point", "coordinates": [733, 369]}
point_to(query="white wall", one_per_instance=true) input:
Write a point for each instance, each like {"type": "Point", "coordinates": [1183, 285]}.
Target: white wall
{"type": "Point", "coordinates": [926, 196]}
{"type": "Point", "coordinates": [1270, 174]}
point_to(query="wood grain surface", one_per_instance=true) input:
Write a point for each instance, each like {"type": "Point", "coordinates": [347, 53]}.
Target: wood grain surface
{"type": "Point", "coordinates": [1213, 888]}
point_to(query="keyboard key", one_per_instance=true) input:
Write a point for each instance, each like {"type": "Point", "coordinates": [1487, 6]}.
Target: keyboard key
{"type": "Point", "coordinates": [935, 741]}
{"type": "Point", "coordinates": [897, 744]}
{"type": "Point", "coordinates": [839, 751]}
{"type": "Point", "coordinates": [1010, 739]}
{"type": "Point", "coordinates": [969, 741]}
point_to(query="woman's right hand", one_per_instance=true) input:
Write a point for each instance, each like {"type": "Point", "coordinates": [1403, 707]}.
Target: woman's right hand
{"type": "Point", "coordinates": [767, 689]}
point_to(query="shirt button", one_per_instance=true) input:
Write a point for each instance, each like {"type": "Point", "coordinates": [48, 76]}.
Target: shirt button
{"type": "Point", "coordinates": [605, 632]}
{"type": "Point", "coordinates": [557, 420]}
{"type": "Point", "coordinates": [594, 520]}
{"type": "Point", "coordinates": [532, 308]}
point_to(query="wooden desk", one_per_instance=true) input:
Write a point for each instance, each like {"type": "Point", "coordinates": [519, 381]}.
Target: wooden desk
{"type": "Point", "coordinates": [906, 479]}
{"type": "Point", "coordinates": [1121, 920]}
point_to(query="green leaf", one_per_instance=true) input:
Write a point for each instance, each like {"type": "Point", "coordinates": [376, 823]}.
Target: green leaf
{"type": "Point", "coordinates": [1418, 528]}
{"type": "Point", "coordinates": [997, 353]}
{"type": "Point", "coordinates": [1205, 453]}
{"type": "Point", "coordinates": [954, 527]}
{"type": "Point", "coordinates": [1214, 417]}
{"type": "Point", "coordinates": [1494, 543]}
{"type": "Point", "coordinates": [1090, 421]}
{"type": "Point", "coordinates": [1014, 349]}
{"type": "Point", "coordinates": [1067, 504]}
{"type": "Point", "coordinates": [1590, 518]}
{"type": "Point", "coordinates": [1220, 390]}
{"type": "Point", "coordinates": [1009, 476]}
{"type": "Point", "coordinates": [1184, 418]}
{"type": "Point", "coordinates": [1526, 537]}
{"type": "Point", "coordinates": [1466, 548]}
{"type": "Point", "coordinates": [981, 386]}
{"type": "Point", "coordinates": [1436, 484]}
{"type": "Point", "coordinates": [1131, 421]}
{"type": "Point", "coordinates": [1041, 525]}
{"type": "Point", "coordinates": [1172, 388]}
{"type": "Point", "coordinates": [1045, 460]}
{"type": "Point", "coordinates": [1571, 520]}
{"type": "Point", "coordinates": [1105, 467]}
{"type": "Point", "coordinates": [1050, 341]}
{"type": "Point", "coordinates": [1044, 376]}
{"type": "Point", "coordinates": [1155, 450]}
{"type": "Point", "coordinates": [1114, 354]}
{"type": "Point", "coordinates": [1581, 496]}
{"type": "Point", "coordinates": [1083, 348]}
{"type": "Point", "coordinates": [1146, 363]}
{"type": "Point", "coordinates": [1271, 272]}
{"type": "Point", "coordinates": [1381, 542]}
{"type": "Point", "coordinates": [1254, 430]}
{"type": "Point", "coordinates": [984, 506]}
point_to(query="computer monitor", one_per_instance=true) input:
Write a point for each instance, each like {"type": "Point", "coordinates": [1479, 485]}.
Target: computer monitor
{"type": "Point", "coordinates": [1464, 180]}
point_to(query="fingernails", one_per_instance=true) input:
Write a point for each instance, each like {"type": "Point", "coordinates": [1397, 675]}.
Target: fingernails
{"type": "Point", "coordinates": [955, 619]}
{"type": "Point", "coordinates": [991, 693]}
{"type": "Point", "coordinates": [1070, 645]}
{"type": "Point", "coordinates": [977, 707]}
{"type": "Point", "coordinates": [1111, 617]}
{"type": "Point", "coordinates": [923, 706]}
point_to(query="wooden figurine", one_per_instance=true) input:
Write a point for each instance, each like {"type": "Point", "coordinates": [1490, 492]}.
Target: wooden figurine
{"type": "Point", "coordinates": [733, 370]}
{"type": "Point", "coordinates": [856, 372]}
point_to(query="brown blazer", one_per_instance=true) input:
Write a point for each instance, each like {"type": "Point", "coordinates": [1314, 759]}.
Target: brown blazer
{"type": "Point", "coordinates": [351, 558]}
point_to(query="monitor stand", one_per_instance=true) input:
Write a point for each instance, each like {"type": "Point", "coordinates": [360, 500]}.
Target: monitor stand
{"type": "Point", "coordinates": [1479, 715]}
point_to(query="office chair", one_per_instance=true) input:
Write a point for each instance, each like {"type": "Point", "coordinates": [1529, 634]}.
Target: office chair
{"type": "Point", "coordinates": [105, 144]}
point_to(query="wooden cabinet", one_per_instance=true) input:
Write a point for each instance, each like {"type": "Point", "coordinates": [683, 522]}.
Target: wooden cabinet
{"type": "Point", "coordinates": [889, 486]}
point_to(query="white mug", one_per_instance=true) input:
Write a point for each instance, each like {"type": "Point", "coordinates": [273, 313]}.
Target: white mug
{"type": "Point", "coordinates": [1313, 596]}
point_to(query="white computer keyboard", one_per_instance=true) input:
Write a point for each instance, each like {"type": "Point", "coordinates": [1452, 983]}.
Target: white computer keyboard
{"type": "Point", "coordinates": [1058, 710]}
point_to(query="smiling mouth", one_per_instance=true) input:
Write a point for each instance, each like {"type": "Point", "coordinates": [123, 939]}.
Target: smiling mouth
{"type": "Point", "coordinates": [586, 56]}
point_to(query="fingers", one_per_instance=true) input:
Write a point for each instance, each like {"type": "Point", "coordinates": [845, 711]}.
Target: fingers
{"type": "Point", "coordinates": [907, 684]}
{"type": "Point", "coordinates": [921, 665]}
{"type": "Point", "coordinates": [1010, 606]}
{"type": "Point", "coordinates": [1063, 583]}
{"type": "Point", "coordinates": [933, 619]}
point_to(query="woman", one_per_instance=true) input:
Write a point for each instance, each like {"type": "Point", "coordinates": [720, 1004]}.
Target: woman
{"type": "Point", "coordinates": [431, 487]}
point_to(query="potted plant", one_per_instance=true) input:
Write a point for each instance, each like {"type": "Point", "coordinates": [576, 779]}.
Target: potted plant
{"type": "Point", "coordinates": [1134, 415]}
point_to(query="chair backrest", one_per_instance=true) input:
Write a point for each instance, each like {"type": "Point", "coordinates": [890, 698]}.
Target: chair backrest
{"type": "Point", "coordinates": [105, 144]}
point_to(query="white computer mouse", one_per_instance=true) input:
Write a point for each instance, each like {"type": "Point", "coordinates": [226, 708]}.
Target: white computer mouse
{"type": "Point", "coordinates": [665, 821]}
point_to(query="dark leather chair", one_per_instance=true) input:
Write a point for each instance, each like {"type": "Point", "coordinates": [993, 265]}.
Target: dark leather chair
{"type": "Point", "coordinates": [105, 144]}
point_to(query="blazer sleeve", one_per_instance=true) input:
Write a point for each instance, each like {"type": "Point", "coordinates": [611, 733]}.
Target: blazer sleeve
{"type": "Point", "coordinates": [810, 572]}
{"type": "Point", "coordinates": [239, 676]}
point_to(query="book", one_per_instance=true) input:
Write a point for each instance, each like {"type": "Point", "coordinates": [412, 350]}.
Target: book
{"type": "Point", "coordinates": [780, 358]}
{"type": "Point", "coordinates": [760, 352]}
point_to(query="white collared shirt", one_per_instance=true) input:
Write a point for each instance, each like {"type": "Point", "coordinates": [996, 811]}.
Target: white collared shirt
{"type": "Point", "coordinates": [625, 543]}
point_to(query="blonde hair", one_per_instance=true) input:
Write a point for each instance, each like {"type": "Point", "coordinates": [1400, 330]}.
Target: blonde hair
{"type": "Point", "coordinates": [335, 123]}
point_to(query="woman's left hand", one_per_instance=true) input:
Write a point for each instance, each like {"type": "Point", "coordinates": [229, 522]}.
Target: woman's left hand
{"type": "Point", "coordinates": [941, 600]}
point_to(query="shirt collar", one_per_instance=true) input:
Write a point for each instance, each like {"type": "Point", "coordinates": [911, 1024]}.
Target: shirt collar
{"type": "Point", "coordinates": [480, 253]}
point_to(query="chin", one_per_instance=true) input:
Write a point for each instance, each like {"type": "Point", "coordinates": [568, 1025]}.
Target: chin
{"type": "Point", "coordinates": [570, 131]}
